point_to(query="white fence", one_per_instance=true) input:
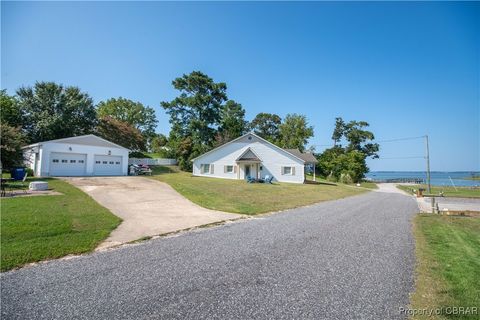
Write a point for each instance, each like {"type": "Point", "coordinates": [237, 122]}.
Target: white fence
{"type": "Point", "coordinates": [153, 162]}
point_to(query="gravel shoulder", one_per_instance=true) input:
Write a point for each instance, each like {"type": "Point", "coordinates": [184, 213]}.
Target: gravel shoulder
{"type": "Point", "coordinates": [349, 258]}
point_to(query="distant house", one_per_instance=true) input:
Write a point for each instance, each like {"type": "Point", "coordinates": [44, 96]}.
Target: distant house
{"type": "Point", "coordinates": [252, 156]}
{"type": "Point", "coordinates": [86, 155]}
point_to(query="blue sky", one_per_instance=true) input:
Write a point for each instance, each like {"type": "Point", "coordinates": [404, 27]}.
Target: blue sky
{"type": "Point", "coordinates": [408, 69]}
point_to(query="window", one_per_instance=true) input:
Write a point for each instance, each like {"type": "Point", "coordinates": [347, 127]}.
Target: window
{"type": "Point", "coordinates": [73, 161]}
{"type": "Point", "coordinates": [64, 161]}
{"type": "Point", "coordinates": [228, 169]}
{"type": "Point", "coordinates": [55, 160]}
{"type": "Point", "coordinates": [97, 162]}
{"type": "Point", "coordinates": [105, 162]}
{"type": "Point", "coordinates": [111, 162]}
{"type": "Point", "coordinates": [288, 171]}
{"type": "Point", "coordinates": [118, 162]}
{"type": "Point", "coordinates": [81, 161]}
{"type": "Point", "coordinates": [205, 168]}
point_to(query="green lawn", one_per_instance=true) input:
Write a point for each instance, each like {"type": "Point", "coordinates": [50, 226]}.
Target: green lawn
{"type": "Point", "coordinates": [44, 227]}
{"type": "Point", "coordinates": [448, 264]}
{"type": "Point", "coordinates": [460, 192]}
{"type": "Point", "coordinates": [240, 197]}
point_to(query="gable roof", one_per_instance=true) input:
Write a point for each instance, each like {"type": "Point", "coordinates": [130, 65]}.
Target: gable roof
{"type": "Point", "coordinates": [305, 156]}
{"type": "Point", "coordinates": [87, 139]}
{"type": "Point", "coordinates": [248, 155]}
{"type": "Point", "coordinates": [247, 134]}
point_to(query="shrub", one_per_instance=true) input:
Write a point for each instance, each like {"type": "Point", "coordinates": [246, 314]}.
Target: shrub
{"type": "Point", "coordinates": [346, 178]}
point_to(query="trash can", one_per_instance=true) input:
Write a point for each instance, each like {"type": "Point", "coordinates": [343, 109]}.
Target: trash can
{"type": "Point", "coordinates": [17, 173]}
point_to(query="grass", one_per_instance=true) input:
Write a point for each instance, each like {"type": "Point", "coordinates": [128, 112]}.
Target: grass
{"type": "Point", "coordinates": [459, 192]}
{"type": "Point", "coordinates": [448, 264]}
{"type": "Point", "coordinates": [237, 196]}
{"type": "Point", "coordinates": [45, 227]}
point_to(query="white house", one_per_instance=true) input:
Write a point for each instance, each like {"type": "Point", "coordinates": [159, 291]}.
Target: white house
{"type": "Point", "coordinates": [86, 155]}
{"type": "Point", "coordinates": [250, 155]}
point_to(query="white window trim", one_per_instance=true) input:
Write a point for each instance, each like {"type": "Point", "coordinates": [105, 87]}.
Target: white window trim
{"type": "Point", "coordinates": [205, 165]}
{"type": "Point", "coordinates": [291, 173]}
{"type": "Point", "coordinates": [229, 165]}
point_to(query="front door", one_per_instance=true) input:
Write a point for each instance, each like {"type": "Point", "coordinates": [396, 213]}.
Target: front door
{"type": "Point", "coordinates": [247, 171]}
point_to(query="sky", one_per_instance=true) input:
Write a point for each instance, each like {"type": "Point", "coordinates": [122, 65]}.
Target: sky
{"type": "Point", "coordinates": [409, 69]}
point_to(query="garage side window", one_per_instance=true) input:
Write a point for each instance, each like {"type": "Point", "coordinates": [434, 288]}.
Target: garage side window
{"type": "Point", "coordinates": [205, 168]}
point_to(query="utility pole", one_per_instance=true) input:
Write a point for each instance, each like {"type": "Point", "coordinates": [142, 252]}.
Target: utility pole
{"type": "Point", "coordinates": [429, 187]}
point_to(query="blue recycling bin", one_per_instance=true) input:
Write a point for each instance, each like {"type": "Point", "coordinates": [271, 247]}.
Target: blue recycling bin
{"type": "Point", "coordinates": [17, 173]}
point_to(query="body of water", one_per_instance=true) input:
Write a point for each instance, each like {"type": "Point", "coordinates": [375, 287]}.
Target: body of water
{"type": "Point", "coordinates": [437, 178]}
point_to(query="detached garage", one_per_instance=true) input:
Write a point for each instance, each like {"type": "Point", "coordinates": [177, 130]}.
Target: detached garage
{"type": "Point", "coordinates": [86, 155]}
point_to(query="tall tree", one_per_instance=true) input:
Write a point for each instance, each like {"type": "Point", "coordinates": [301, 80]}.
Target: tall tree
{"type": "Point", "coordinates": [134, 113]}
{"type": "Point", "coordinates": [360, 139]}
{"type": "Point", "coordinates": [10, 112]}
{"type": "Point", "coordinates": [11, 142]}
{"type": "Point", "coordinates": [121, 133]}
{"type": "Point", "coordinates": [195, 114]}
{"type": "Point", "coordinates": [338, 131]}
{"type": "Point", "coordinates": [232, 122]}
{"type": "Point", "coordinates": [266, 125]}
{"type": "Point", "coordinates": [53, 111]}
{"type": "Point", "coordinates": [294, 132]}
{"type": "Point", "coordinates": [349, 162]}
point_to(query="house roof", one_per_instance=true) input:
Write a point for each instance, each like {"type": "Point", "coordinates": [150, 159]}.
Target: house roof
{"type": "Point", "coordinates": [305, 156]}
{"type": "Point", "coordinates": [88, 139]}
{"type": "Point", "coordinates": [252, 134]}
{"type": "Point", "coordinates": [248, 155]}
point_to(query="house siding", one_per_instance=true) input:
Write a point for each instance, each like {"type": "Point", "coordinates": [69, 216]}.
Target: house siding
{"type": "Point", "coordinates": [273, 159]}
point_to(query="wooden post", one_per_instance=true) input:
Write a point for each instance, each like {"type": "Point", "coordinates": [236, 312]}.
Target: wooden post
{"type": "Point", "coordinates": [314, 172]}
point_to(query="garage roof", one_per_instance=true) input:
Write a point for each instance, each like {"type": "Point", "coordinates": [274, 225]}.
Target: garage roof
{"type": "Point", "coordinates": [88, 140]}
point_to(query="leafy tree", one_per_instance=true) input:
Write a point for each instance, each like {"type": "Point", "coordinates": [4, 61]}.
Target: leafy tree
{"type": "Point", "coordinates": [53, 111]}
{"type": "Point", "coordinates": [232, 122]}
{"type": "Point", "coordinates": [267, 126]}
{"type": "Point", "coordinates": [349, 162]}
{"type": "Point", "coordinates": [194, 115]}
{"type": "Point", "coordinates": [294, 132]}
{"type": "Point", "coordinates": [338, 131]}
{"type": "Point", "coordinates": [121, 133]}
{"type": "Point", "coordinates": [134, 113]}
{"type": "Point", "coordinates": [11, 144]}
{"type": "Point", "coordinates": [158, 142]}
{"type": "Point", "coordinates": [10, 112]}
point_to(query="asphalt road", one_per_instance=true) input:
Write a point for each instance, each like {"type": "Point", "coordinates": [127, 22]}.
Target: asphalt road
{"type": "Point", "coordinates": [345, 259]}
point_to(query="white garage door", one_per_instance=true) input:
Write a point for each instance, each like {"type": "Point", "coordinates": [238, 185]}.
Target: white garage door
{"type": "Point", "coordinates": [107, 166]}
{"type": "Point", "coordinates": [67, 164]}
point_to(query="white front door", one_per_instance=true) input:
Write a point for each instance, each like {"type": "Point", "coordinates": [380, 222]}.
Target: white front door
{"type": "Point", "coordinates": [107, 165]}
{"type": "Point", "coordinates": [67, 164]}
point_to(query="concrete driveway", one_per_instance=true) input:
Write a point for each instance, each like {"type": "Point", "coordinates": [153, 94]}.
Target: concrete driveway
{"type": "Point", "coordinates": [147, 207]}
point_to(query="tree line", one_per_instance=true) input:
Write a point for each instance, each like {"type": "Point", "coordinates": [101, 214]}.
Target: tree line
{"type": "Point", "coordinates": [202, 117]}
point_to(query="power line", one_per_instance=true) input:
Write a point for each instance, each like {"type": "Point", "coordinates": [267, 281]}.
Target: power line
{"type": "Point", "coordinates": [413, 157]}
{"type": "Point", "coordinates": [401, 139]}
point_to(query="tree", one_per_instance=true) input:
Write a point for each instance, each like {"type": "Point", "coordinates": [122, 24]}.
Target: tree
{"type": "Point", "coordinates": [294, 132]}
{"type": "Point", "coordinates": [232, 122]}
{"type": "Point", "coordinates": [11, 144]}
{"type": "Point", "coordinates": [158, 143]}
{"type": "Point", "coordinates": [195, 114]}
{"type": "Point", "coordinates": [266, 125]}
{"type": "Point", "coordinates": [349, 162]}
{"type": "Point", "coordinates": [134, 113]}
{"type": "Point", "coordinates": [10, 112]}
{"type": "Point", "coordinates": [53, 111]}
{"type": "Point", "coordinates": [121, 133]}
{"type": "Point", "coordinates": [338, 131]}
